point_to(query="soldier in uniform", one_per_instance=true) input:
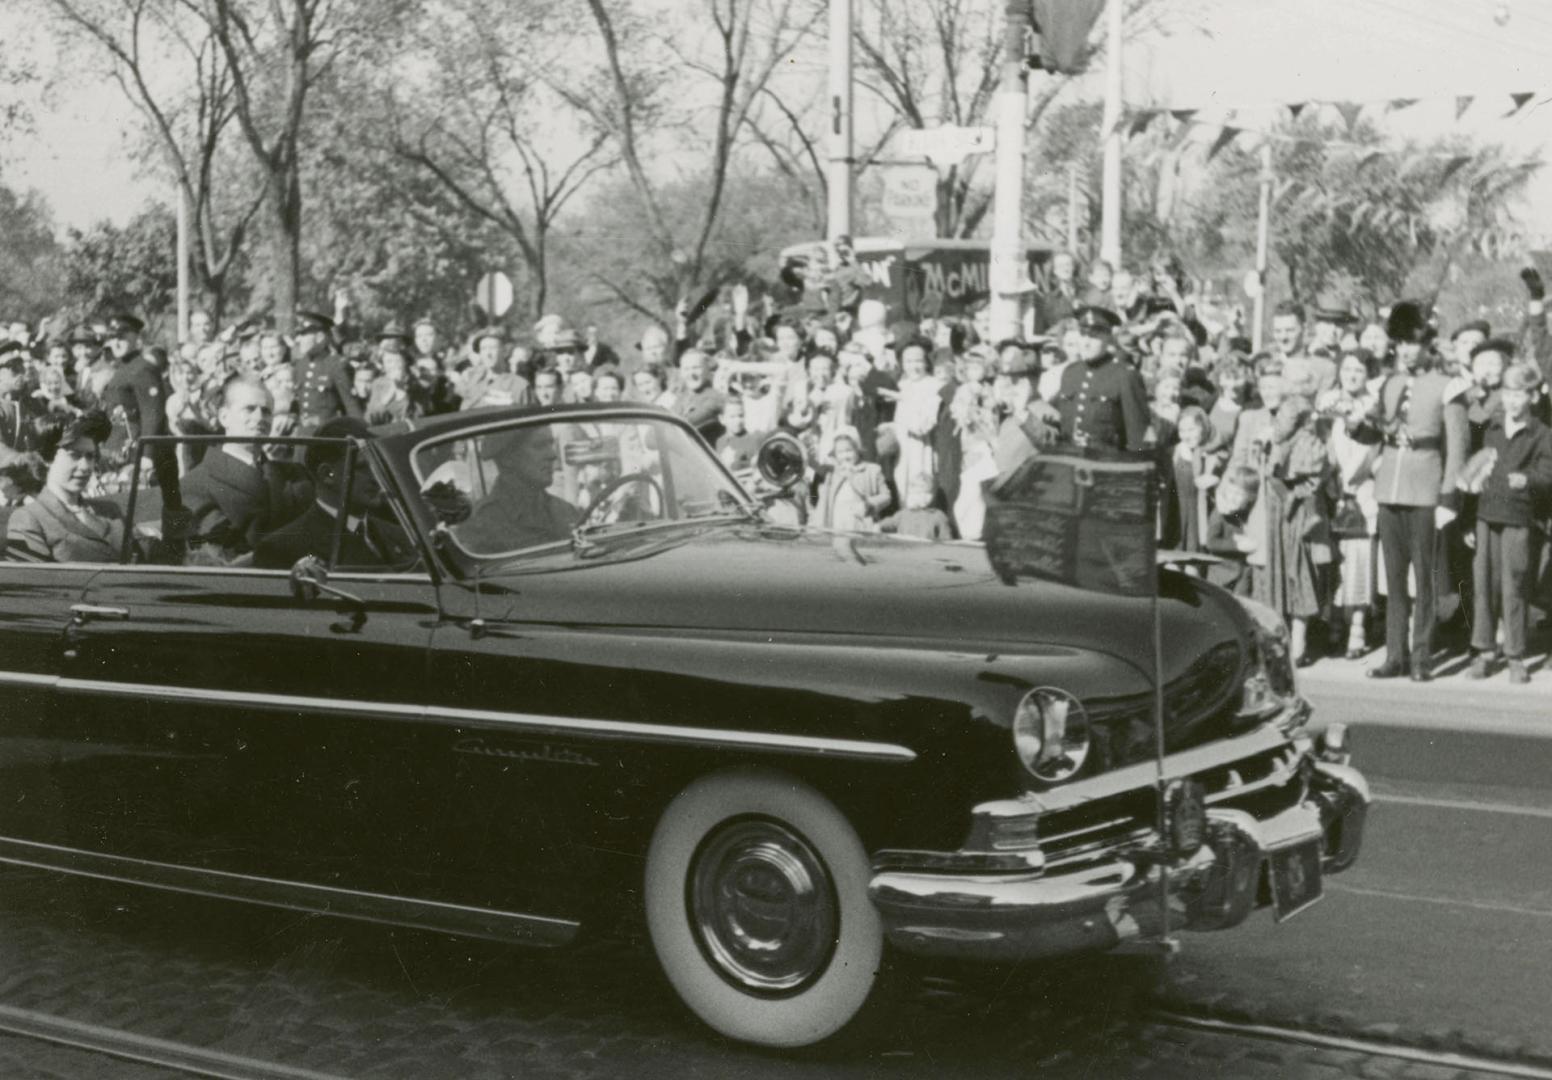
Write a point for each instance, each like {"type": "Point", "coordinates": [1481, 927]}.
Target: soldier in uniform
{"type": "Point", "coordinates": [1102, 401]}
{"type": "Point", "coordinates": [1424, 436]}
{"type": "Point", "coordinates": [322, 383]}
{"type": "Point", "coordinates": [136, 396]}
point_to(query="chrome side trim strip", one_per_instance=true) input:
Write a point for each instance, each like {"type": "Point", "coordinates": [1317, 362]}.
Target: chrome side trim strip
{"type": "Point", "coordinates": [28, 678]}
{"type": "Point", "coordinates": [293, 895]}
{"type": "Point", "coordinates": [218, 571]}
{"type": "Point", "coordinates": [556, 726]}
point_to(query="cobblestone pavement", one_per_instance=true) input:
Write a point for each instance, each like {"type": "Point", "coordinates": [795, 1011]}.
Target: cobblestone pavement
{"type": "Point", "coordinates": [373, 1002]}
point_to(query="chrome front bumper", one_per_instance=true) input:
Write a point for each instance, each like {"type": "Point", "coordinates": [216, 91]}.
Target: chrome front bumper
{"type": "Point", "coordinates": [1039, 915]}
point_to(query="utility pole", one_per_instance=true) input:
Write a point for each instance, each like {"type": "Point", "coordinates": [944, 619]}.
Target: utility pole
{"type": "Point", "coordinates": [183, 264]}
{"type": "Point", "coordinates": [838, 218]}
{"type": "Point", "coordinates": [1263, 229]}
{"type": "Point", "coordinates": [1110, 227]}
{"type": "Point", "coordinates": [1007, 270]}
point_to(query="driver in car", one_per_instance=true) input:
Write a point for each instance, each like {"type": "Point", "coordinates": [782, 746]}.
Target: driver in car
{"type": "Point", "coordinates": [519, 512]}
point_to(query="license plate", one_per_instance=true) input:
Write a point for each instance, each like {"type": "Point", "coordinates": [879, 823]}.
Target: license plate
{"type": "Point", "coordinates": [1295, 879]}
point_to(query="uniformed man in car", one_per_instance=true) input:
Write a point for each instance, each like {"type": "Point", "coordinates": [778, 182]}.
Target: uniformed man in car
{"type": "Point", "coordinates": [322, 382]}
{"type": "Point", "coordinates": [1102, 401]}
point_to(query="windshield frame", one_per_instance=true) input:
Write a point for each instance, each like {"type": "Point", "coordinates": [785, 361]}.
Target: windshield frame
{"type": "Point", "coordinates": [470, 565]}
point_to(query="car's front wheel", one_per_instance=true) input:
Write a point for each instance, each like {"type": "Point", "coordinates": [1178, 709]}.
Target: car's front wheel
{"type": "Point", "coordinates": [756, 897]}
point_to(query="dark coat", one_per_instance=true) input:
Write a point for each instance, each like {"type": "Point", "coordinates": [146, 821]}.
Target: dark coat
{"type": "Point", "coordinates": [313, 534]}
{"type": "Point", "coordinates": [232, 503]}
{"type": "Point", "coordinates": [138, 390]}
{"type": "Point", "coordinates": [322, 391]}
{"type": "Point", "coordinates": [1529, 452]}
{"type": "Point", "coordinates": [1104, 404]}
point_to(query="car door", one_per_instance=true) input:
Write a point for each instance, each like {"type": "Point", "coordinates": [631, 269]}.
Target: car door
{"type": "Point", "coordinates": [259, 731]}
{"type": "Point", "coordinates": [36, 601]}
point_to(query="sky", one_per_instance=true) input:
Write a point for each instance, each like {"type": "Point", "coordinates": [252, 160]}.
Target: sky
{"type": "Point", "coordinates": [1233, 59]}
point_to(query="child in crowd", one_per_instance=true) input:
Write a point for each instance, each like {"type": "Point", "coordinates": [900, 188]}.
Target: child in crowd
{"type": "Point", "coordinates": [919, 519]}
{"type": "Point", "coordinates": [1511, 514]}
{"type": "Point", "coordinates": [738, 445]}
{"type": "Point", "coordinates": [1233, 380]}
{"type": "Point", "coordinates": [1231, 531]}
{"type": "Point", "coordinates": [1189, 482]}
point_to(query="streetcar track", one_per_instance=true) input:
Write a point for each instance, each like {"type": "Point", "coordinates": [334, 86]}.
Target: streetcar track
{"type": "Point", "coordinates": [1376, 1047]}
{"type": "Point", "coordinates": [147, 1049]}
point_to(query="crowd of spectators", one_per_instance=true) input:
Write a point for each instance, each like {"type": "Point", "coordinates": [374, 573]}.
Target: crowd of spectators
{"type": "Point", "coordinates": [1353, 465]}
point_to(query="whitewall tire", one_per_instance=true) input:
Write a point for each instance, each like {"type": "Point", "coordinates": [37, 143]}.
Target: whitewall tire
{"type": "Point", "coordinates": [757, 905]}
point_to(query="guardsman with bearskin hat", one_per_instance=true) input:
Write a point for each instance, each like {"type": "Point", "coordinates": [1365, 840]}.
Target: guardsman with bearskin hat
{"type": "Point", "coordinates": [1102, 401]}
{"type": "Point", "coordinates": [322, 383]}
{"type": "Point", "coordinates": [1424, 435]}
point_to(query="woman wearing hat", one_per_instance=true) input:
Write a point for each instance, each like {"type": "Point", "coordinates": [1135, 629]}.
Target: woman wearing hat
{"type": "Point", "coordinates": [61, 523]}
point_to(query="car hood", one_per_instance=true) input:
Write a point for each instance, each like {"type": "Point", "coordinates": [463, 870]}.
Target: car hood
{"type": "Point", "coordinates": [778, 581]}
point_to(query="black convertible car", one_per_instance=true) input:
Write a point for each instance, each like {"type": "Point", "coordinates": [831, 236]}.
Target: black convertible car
{"type": "Point", "coordinates": [593, 682]}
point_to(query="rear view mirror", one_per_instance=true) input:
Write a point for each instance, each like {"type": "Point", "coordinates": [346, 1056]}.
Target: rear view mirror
{"type": "Point", "coordinates": [781, 460]}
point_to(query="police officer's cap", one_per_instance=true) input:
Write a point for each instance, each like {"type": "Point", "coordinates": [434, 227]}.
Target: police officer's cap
{"type": "Point", "coordinates": [311, 322]}
{"type": "Point", "coordinates": [82, 335]}
{"type": "Point", "coordinates": [122, 325]}
{"type": "Point", "coordinates": [1341, 316]}
{"type": "Point", "coordinates": [11, 356]}
{"type": "Point", "coordinates": [1097, 321]}
{"type": "Point", "coordinates": [1477, 326]}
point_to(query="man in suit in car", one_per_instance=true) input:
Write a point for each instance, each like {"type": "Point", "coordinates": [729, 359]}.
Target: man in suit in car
{"type": "Point", "coordinates": [368, 541]}
{"type": "Point", "coordinates": [235, 493]}
{"type": "Point", "coordinates": [519, 512]}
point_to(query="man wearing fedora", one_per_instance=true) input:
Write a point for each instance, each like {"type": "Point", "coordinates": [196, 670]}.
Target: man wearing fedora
{"type": "Point", "coordinates": [1424, 438]}
{"type": "Point", "coordinates": [1102, 401]}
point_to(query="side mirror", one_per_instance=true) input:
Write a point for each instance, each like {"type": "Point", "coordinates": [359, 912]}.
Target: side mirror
{"type": "Point", "coordinates": [781, 461]}
{"type": "Point", "coordinates": [310, 580]}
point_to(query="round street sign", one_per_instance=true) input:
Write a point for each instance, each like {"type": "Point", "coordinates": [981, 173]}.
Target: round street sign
{"type": "Point", "coordinates": [494, 294]}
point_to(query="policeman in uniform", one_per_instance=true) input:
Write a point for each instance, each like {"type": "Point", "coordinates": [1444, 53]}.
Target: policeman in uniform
{"type": "Point", "coordinates": [1102, 401]}
{"type": "Point", "coordinates": [135, 398]}
{"type": "Point", "coordinates": [1424, 435]}
{"type": "Point", "coordinates": [322, 382]}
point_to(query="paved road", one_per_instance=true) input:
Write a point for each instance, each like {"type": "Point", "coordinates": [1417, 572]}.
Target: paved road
{"type": "Point", "coordinates": [1446, 923]}
{"type": "Point", "coordinates": [360, 1001]}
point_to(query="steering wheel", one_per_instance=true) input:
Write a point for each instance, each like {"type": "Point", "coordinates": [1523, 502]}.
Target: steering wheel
{"type": "Point", "coordinates": [615, 485]}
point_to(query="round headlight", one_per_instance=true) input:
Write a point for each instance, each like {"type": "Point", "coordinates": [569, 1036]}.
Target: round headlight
{"type": "Point", "coordinates": [1051, 734]}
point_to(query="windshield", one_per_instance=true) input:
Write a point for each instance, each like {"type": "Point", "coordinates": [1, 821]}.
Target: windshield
{"type": "Point", "coordinates": [530, 485]}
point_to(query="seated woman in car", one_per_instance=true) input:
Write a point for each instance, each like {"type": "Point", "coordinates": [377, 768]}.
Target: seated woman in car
{"type": "Point", "coordinates": [61, 523]}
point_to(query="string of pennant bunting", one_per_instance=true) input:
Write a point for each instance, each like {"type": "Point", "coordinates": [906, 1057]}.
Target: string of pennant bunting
{"type": "Point", "coordinates": [1134, 122]}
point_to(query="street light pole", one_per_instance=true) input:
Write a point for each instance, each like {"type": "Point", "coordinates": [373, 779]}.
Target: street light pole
{"type": "Point", "coordinates": [1110, 227]}
{"type": "Point", "coordinates": [1007, 250]}
{"type": "Point", "coordinates": [1263, 229]}
{"type": "Point", "coordinates": [838, 218]}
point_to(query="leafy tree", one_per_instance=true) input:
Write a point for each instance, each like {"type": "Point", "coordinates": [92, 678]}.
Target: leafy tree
{"type": "Point", "coordinates": [187, 119]}
{"type": "Point", "coordinates": [123, 268]}
{"type": "Point", "coordinates": [704, 85]}
{"type": "Point", "coordinates": [29, 257]}
{"type": "Point", "coordinates": [499, 140]}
